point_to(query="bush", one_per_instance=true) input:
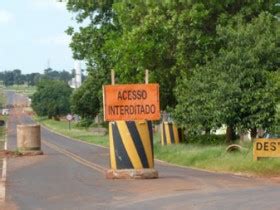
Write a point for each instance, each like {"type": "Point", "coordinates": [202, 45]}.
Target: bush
{"type": "Point", "coordinates": [86, 100]}
{"type": "Point", "coordinates": [51, 99]}
{"type": "Point", "coordinates": [210, 139]}
{"type": "Point", "coordinates": [85, 123]}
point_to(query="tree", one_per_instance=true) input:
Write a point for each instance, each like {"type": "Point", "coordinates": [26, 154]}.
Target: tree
{"type": "Point", "coordinates": [237, 81]}
{"type": "Point", "coordinates": [166, 37]}
{"type": "Point", "coordinates": [248, 58]}
{"type": "Point", "coordinates": [89, 44]}
{"type": "Point", "coordinates": [197, 107]}
{"type": "Point", "coordinates": [86, 100]}
{"type": "Point", "coordinates": [18, 77]}
{"type": "Point", "coordinates": [180, 43]}
{"type": "Point", "coordinates": [32, 79]}
{"type": "Point", "coordinates": [51, 74]}
{"type": "Point", "coordinates": [65, 76]}
{"type": "Point", "coordinates": [9, 78]}
{"type": "Point", "coordinates": [51, 99]}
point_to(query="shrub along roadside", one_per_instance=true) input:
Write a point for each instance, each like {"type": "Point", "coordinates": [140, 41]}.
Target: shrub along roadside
{"type": "Point", "coordinates": [2, 132]}
{"type": "Point", "coordinates": [208, 157]}
{"type": "Point", "coordinates": [208, 139]}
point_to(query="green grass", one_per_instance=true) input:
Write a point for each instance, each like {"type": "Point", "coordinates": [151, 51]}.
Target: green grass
{"type": "Point", "coordinates": [75, 132]}
{"type": "Point", "coordinates": [3, 132]}
{"type": "Point", "coordinates": [2, 137]}
{"type": "Point", "coordinates": [214, 158]}
{"type": "Point", "coordinates": [23, 89]}
{"type": "Point", "coordinates": [5, 118]}
{"type": "Point", "coordinates": [2, 96]}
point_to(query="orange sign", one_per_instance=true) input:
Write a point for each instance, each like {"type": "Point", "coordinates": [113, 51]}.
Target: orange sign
{"type": "Point", "coordinates": [131, 102]}
{"type": "Point", "coordinates": [266, 148]}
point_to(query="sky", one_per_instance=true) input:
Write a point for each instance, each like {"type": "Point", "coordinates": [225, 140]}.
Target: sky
{"type": "Point", "coordinates": [32, 35]}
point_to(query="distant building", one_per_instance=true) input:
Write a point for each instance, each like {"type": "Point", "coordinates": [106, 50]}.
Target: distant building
{"type": "Point", "coordinates": [76, 82]}
{"type": "Point", "coordinates": [72, 83]}
{"type": "Point", "coordinates": [5, 111]}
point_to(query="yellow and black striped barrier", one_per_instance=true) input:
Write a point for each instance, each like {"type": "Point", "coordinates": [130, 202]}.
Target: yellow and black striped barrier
{"type": "Point", "coordinates": [131, 145]}
{"type": "Point", "coordinates": [170, 134]}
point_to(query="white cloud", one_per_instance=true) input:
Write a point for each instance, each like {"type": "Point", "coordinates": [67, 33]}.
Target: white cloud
{"type": "Point", "coordinates": [5, 17]}
{"type": "Point", "coordinates": [46, 4]}
{"type": "Point", "coordinates": [60, 39]}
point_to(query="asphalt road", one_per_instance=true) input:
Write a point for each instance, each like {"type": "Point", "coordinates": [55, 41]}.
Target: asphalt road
{"type": "Point", "coordinates": [70, 175]}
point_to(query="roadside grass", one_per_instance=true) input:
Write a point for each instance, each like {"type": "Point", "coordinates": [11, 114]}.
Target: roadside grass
{"type": "Point", "coordinates": [2, 96]}
{"type": "Point", "coordinates": [23, 89]}
{"type": "Point", "coordinates": [2, 132]}
{"type": "Point", "coordinates": [5, 118]}
{"type": "Point", "coordinates": [213, 158]}
{"type": "Point", "coordinates": [75, 132]}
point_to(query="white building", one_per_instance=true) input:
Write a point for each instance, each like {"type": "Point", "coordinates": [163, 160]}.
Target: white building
{"type": "Point", "coordinates": [5, 111]}
{"type": "Point", "coordinates": [76, 82]}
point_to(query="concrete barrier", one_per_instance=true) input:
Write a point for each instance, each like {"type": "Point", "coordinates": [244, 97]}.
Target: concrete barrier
{"type": "Point", "coordinates": [29, 139]}
{"type": "Point", "coordinates": [131, 150]}
{"type": "Point", "coordinates": [170, 134]}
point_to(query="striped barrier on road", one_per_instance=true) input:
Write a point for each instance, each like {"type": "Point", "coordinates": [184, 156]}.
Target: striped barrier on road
{"type": "Point", "coordinates": [131, 145]}
{"type": "Point", "coordinates": [170, 134]}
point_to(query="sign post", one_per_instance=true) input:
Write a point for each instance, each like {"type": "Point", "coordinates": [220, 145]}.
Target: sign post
{"type": "Point", "coordinates": [69, 117]}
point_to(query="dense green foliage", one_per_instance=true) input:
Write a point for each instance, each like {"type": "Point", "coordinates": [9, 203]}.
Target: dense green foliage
{"type": "Point", "coordinates": [212, 59]}
{"type": "Point", "coordinates": [236, 87]}
{"type": "Point", "coordinates": [208, 139]}
{"type": "Point", "coordinates": [51, 74]}
{"type": "Point", "coordinates": [85, 101]}
{"type": "Point", "coordinates": [12, 77]}
{"type": "Point", "coordinates": [15, 77]}
{"type": "Point", "coordinates": [52, 98]}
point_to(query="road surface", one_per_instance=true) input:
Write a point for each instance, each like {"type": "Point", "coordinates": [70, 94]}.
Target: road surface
{"type": "Point", "coordinates": [70, 175]}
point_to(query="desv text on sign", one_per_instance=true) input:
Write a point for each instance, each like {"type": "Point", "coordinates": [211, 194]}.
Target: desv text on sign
{"type": "Point", "coordinates": [266, 148]}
